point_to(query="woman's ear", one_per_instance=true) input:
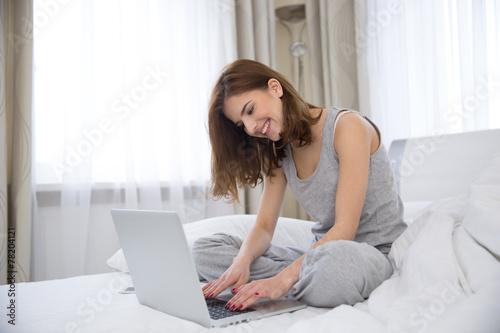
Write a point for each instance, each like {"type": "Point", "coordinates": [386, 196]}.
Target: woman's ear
{"type": "Point", "coordinates": [275, 86]}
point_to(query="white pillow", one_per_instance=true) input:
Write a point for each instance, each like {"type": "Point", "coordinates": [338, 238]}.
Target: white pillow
{"type": "Point", "coordinates": [289, 232]}
{"type": "Point", "coordinates": [482, 220]}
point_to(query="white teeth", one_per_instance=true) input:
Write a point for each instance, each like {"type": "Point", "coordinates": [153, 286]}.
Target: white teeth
{"type": "Point", "coordinates": [264, 130]}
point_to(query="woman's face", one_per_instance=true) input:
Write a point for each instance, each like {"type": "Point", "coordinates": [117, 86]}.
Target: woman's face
{"type": "Point", "coordinates": [258, 112]}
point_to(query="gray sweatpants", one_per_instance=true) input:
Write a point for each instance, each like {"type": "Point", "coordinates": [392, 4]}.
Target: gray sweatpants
{"type": "Point", "coordinates": [338, 272]}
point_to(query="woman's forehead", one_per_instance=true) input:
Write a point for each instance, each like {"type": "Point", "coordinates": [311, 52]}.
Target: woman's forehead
{"type": "Point", "coordinates": [235, 105]}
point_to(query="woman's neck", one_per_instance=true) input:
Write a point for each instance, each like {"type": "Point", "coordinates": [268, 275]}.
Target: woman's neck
{"type": "Point", "coordinates": [316, 129]}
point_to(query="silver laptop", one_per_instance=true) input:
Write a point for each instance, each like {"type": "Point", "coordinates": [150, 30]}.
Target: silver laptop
{"type": "Point", "coordinates": [165, 277]}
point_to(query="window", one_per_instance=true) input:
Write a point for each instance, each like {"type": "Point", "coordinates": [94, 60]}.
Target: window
{"type": "Point", "coordinates": [121, 88]}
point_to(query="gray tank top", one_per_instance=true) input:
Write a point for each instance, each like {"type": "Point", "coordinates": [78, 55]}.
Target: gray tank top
{"type": "Point", "coordinates": [381, 219]}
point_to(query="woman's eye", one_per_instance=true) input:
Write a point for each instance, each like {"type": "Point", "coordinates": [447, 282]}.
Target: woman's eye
{"type": "Point", "coordinates": [250, 111]}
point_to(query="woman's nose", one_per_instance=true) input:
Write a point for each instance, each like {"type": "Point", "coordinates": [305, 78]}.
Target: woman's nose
{"type": "Point", "coordinates": [250, 126]}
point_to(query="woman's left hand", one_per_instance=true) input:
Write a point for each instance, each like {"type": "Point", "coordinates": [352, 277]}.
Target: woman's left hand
{"type": "Point", "coordinates": [272, 288]}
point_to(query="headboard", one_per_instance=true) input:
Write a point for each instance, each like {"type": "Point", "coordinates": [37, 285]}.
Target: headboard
{"type": "Point", "coordinates": [430, 168]}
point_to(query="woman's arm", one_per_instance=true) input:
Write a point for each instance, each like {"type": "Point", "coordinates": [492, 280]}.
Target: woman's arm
{"type": "Point", "coordinates": [354, 142]}
{"type": "Point", "coordinates": [258, 239]}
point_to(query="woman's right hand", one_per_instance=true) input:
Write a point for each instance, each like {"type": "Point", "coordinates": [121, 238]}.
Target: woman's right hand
{"type": "Point", "coordinates": [236, 275]}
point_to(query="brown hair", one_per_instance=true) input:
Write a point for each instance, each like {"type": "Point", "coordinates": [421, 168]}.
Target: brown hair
{"type": "Point", "coordinates": [237, 158]}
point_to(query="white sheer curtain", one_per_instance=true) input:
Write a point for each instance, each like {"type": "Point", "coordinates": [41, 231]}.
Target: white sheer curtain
{"type": "Point", "coordinates": [121, 94]}
{"type": "Point", "coordinates": [428, 67]}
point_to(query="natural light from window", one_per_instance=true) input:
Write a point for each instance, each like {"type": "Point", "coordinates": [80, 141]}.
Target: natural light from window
{"type": "Point", "coordinates": [121, 92]}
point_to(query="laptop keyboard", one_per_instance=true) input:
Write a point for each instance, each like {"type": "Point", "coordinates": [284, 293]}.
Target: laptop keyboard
{"type": "Point", "coordinates": [217, 310]}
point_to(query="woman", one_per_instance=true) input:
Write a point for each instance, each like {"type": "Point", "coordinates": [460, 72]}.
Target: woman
{"type": "Point", "coordinates": [262, 130]}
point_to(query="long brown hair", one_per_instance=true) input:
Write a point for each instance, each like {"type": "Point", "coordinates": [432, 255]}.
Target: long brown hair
{"type": "Point", "coordinates": [237, 158]}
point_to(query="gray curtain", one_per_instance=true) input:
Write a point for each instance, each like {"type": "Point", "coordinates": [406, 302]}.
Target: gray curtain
{"type": "Point", "coordinates": [256, 40]}
{"type": "Point", "coordinates": [16, 202]}
{"type": "Point", "coordinates": [255, 29]}
{"type": "Point", "coordinates": [332, 53]}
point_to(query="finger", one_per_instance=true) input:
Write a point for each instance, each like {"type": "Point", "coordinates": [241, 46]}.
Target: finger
{"type": "Point", "coordinates": [240, 291]}
{"type": "Point", "coordinates": [211, 287]}
{"type": "Point", "coordinates": [246, 295]}
{"type": "Point", "coordinates": [218, 288]}
{"type": "Point", "coordinates": [209, 292]}
{"type": "Point", "coordinates": [253, 297]}
{"type": "Point", "coordinates": [236, 288]}
{"type": "Point", "coordinates": [208, 285]}
{"type": "Point", "coordinates": [244, 300]}
{"type": "Point", "coordinates": [234, 300]}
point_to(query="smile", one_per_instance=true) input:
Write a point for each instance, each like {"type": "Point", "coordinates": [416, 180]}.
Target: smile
{"type": "Point", "coordinates": [265, 128]}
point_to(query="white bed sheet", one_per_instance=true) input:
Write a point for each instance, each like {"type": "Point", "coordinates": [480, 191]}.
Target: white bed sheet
{"type": "Point", "coordinates": [93, 304]}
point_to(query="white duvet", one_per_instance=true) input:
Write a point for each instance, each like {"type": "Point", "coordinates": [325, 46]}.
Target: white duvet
{"type": "Point", "coordinates": [444, 282]}
{"type": "Point", "coordinates": [446, 279]}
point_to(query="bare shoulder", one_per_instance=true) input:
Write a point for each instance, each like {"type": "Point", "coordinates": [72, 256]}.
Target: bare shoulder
{"type": "Point", "coordinates": [355, 131]}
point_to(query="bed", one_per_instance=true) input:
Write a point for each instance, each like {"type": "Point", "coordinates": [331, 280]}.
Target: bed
{"type": "Point", "coordinates": [446, 264]}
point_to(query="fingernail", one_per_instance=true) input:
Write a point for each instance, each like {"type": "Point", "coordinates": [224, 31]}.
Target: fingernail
{"type": "Point", "coordinates": [233, 290]}
{"type": "Point", "coordinates": [210, 296]}
{"type": "Point", "coordinates": [257, 294]}
{"type": "Point", "coordinates": [233, 307]}
{"type": "Point", "coordinates": [240, 307]}
{"type": "Point", "coordinates": [227, 305]}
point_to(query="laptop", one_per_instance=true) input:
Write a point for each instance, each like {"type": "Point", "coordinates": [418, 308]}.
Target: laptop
{"type": "Point", "coordinates": [164, 275]}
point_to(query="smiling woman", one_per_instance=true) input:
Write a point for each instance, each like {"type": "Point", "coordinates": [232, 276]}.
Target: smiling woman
{"type": "Point", "coordinates": [333, 159]}
{"type": "Point", "coordinates": [248, 97]}
{"type": "Point", "coordinates": [262, 109]}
